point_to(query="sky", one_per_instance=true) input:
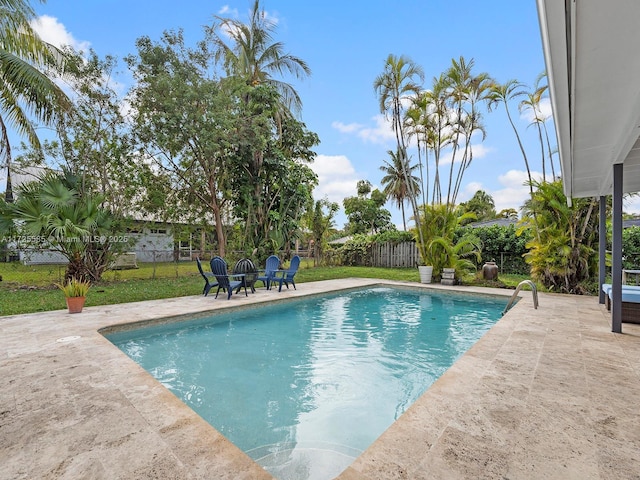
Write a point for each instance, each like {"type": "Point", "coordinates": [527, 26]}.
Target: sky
{"type": "Point", "coordinates": [345, 44]}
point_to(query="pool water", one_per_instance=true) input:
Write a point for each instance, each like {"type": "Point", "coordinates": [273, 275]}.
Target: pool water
{"type": "Point", "coordinates": [305, 386]}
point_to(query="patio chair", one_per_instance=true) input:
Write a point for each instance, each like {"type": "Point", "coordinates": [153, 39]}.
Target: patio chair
{"type": "Point", "coordinates": [268, 274]}
{"type": "Point", "coordinates": [209, 278]}
{"type": "Point", "coordinates": [286, 276]}
{"type": "Point", "coordinates": [225, 282]}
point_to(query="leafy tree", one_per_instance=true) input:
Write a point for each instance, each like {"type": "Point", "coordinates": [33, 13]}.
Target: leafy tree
{"type": "Point", "coordinates": [275, 143]}
{"type": "Point", "coordinates": [271, 181]}
{"type": "Point", "coordinates": [187, 125]}
{"type": "Point", "coordinates": [562, 252]}
{"type": "Point", "coordinates": [320, 222]}
{"type": "Point", "coordinates": [481, 204]}
{"type": "Point", "coordinates": [365, 213]}
{"type": "Point", "coordinates": [94, 139]}
{"type": "Point", "coordinates": [631, 247]}
{"type": "Point", "coordinates": [395, 182]}
{"type": "Point", "coordinates": [510, 213]}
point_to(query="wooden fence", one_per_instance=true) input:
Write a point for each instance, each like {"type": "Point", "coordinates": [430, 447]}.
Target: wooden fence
{"type": "Point", "coordinates": [391, 254]}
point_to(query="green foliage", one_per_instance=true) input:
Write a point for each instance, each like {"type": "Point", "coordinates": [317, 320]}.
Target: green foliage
{"type": "Point", "coordinates": [395, 236]}
{"type": "Point", "coordinates": [563, 249]}
{"type": "Point", "coordinates": [320, 222]}
{"type": "Point", "coordinates": [439, 225]}
{"type": "Point", "coordinates": [502, 244]}
{"type": "Point", "coordinates": [74, 288]}
{"type": "Point", "coordinates": [631, 248]}
{"type": "Point", "coordinates": [365, 212]}
{"type": "Point", "coordinates": [356, 250]}
{"type": "Point", "coordinates": [481, 204]}
{"type": "Point", "coordinates": [56, 212]}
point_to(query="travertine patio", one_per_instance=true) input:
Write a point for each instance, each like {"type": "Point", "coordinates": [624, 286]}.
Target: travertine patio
{"type": "Point", "coordinates": [546, 393]}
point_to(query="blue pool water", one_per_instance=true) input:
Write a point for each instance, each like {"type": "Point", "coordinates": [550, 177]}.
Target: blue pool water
{"type": "Point", "coordinates": [305, 386]}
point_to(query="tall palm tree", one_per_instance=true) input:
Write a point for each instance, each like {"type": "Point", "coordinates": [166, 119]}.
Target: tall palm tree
{"type": "Point", "coordinates": [503, 94]}
{"type": "Point", "coordinates": [531, 103]}
{"type": "Point", "coordinates": [394, 182]}
{"type": "Point", "coordinates": [541, 88]}
{"type": "Point", "coordinates": [395, 86]}
{"type": "Point", "coordinates": [479, 87]}
{"type": "Point", "coordinates": [254, 56]}
{"type": "Point", "coordinates": [26, 92]}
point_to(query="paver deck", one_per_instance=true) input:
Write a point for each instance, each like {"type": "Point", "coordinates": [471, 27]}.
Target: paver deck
{"type": "Point", "coordinates": [548, 393]}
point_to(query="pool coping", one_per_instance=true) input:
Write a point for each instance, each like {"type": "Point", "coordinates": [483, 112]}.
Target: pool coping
{"type": "Point", "coordinates": [79, 407]}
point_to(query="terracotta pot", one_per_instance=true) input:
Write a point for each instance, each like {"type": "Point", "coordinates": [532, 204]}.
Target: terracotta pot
{"type": "Point", "coordinates": [75, 304]}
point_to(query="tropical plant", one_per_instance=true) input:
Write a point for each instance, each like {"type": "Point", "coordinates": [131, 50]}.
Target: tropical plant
{"type": "Point", "coordinates": [562, 252]}
{"type": "Point", "coordinates": [396, 86]}
{"type": "Point", "coordinates": [501, 94]}
{"type": "Point", "coordinates": [464, 91]}
{"type": "Point", "coordinates": [26, 90]}
{"type": "Point", "coordinates": [57, 213]}
{"type": "Point", "coordinates": [74, 288]}
{"type": "Point", "coordinates": [395, 182]}
{"type": "Point", "coordinates": [253, 55]}
{"type": "Point", "coordinates": [441, 250]}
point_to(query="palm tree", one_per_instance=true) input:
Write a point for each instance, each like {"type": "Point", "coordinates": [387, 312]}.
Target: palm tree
{"type": "Point", "coordinates": [437, 122]}
{"type": "Point", "coordinates": [540, 90]}
{"type": "Point", "coordinates": [394, 181]}
{"type": "Point", "coordinates": [502, 94]}
{"type": "Point", "coordinates": [254, 56]}
{"type": "Point", "coordinates": [394, 86]}
{"type": "Point", "coordinates": [25, 90]}
{"type": "Point", "coordinates": [562, 254]}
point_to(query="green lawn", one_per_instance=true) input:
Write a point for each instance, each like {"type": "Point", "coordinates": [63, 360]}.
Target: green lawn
{"type": "Point", "coordinates": [27, 289]}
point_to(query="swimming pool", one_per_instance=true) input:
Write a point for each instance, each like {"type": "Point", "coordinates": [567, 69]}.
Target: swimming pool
{"type": "Point", "coordinates": [304, 386]}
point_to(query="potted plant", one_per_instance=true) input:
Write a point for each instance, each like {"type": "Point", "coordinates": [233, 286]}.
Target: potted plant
{"type": "Point", "coordinates": [75, 292]}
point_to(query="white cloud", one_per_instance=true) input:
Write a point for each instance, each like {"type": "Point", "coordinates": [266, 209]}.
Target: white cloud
{"type": "Point", "coordinates": [55, 33]}
{"type": "Point", "coordinates": [544, 111]}
{"type": "Point", "coordinates": [226, 9]}
{"type": "Point", "coordinates": [380, 133]}
{"type": "Point", "coordinates": [337, 178]}
{"type": "Point", "coordinates": [515, 190]}
{"type": "Point", "coordinates": [347, 128]}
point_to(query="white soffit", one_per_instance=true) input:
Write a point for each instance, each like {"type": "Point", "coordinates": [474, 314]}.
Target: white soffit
{"type": "Point", "coordinates": [592, 55]}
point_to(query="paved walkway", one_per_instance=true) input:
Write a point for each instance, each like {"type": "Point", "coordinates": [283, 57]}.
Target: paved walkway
{"type": "Point", "coordinates": [547, 393]}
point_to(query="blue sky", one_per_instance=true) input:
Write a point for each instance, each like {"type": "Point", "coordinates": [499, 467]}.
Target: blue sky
{"type": "Point", "coordinates": [345, 43]}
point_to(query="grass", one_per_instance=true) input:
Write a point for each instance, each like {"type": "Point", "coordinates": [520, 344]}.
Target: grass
{"type": "Point", "coordinates": [28, 289]}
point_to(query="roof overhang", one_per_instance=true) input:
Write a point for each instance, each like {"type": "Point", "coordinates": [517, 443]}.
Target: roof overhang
{"type": "Point", "coordinates": [592, 56]}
